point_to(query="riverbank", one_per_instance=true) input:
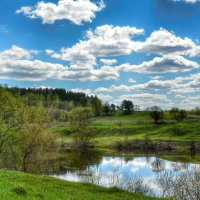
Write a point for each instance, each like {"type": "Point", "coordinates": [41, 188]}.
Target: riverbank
{"type": "Point", "coordinates": [18, 186]}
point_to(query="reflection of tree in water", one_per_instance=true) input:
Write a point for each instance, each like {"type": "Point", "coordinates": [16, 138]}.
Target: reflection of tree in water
{"type": "Point", "coordinates": [54, 162]}
{"type": "Point", "coordinates": [158, 165]}
{"type": "Point", "coordinates": [43, 164]}
{"type": "Point", "coordinates": [83, 159]}
{"type": "Point", "coordinates": [176, 166]}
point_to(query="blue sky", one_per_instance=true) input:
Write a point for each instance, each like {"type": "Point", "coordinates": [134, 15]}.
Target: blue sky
{"type": "Point", "coordinates": [147, 51]}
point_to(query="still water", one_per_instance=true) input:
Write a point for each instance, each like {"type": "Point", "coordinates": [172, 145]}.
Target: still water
{"type": "Point", "coordinates": [132, 172]}
{"type": "Point", "coordinates": [114, 170]}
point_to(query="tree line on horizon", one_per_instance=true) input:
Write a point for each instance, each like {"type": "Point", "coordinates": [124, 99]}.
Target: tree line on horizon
{"type": "Point", "coordinates": [66, 100]}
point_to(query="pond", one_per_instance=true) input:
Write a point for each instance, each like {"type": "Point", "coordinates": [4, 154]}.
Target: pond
{"type": "Point", "coordinates": [159, 175]}
{"type": "Point", "coordinates": [140, 173]}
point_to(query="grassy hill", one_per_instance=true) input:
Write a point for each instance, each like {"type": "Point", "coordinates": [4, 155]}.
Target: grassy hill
{"type": "Point", "coordinates": [21, 186]}
{"type": "Point", "coordinates": [138, 126]}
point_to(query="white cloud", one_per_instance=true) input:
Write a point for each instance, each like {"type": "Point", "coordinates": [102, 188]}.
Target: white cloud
{"type": "Point", "coordinates": [188, 84]}
{"type": "Point", "coordinates": [160, 65]}
{"type": "Point", "coordinates": [15, 53]}
{"type": "Point", "coordinates": [143, 96]}
{"type": "Point", "coordinates": [107, 40]}
{"type": "Point", "coordinates": [105, 97]}
{"type": "Point", "coordinates": [86, 91]}
{"type": "Point", "coordinates": [108, 61]}
{"type": "Point", "coordinates": [163, 42]}
{"type": "Point", "coordinates": [104, 41]}
{"type": "Point", "coordinates": [155, 77]}
{"type": "Point", "coordinates": [17, 63]}
{"type": "Point", "coordinates": [147, 99]}
{"type": "Point", "coordinates": [130, 80]}
{"type": "Point", "coordinates": [76, 11]}
{"type": "Point", "coordinates": [187, 1]}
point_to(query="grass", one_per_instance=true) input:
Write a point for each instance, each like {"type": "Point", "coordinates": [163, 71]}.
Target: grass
{"type": "Point", "coordinates": [109, 130]}
{"type": "Point", "coordinates": [21, 186]}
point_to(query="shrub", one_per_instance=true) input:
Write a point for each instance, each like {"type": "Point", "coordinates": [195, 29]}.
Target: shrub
{"type": "Point", "coordinates": [19, 191]}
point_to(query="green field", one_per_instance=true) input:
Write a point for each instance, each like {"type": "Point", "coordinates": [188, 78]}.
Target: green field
{"type": "Point", "coordinates": [137, 126]}
{"type": "Point", "coordinates": [20, 186]}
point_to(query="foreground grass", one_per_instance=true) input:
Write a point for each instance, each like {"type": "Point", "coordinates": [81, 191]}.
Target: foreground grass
{"type": "Point", "coordinates": [20, 186]}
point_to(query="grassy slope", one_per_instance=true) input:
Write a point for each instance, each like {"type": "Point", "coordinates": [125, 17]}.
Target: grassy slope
{"type": "Point", "coordinates": [109, 130]}
{"type": "Point", "coordinates": [38, 187]}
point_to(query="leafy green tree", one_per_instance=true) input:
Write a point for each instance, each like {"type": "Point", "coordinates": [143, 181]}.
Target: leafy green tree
{"type": "Point", "coordinates": [113, 108]}
{"type": "Point", "coordinates": [80, 120]}
{"type": "Point", "coordinates": [182, 115]}
{"type": "Point", "coordinates": [33, 141]}
{"type": "Point", "coordinates": [22, 128]}
{"type": "Point", "coordinates": [106, 109]}
{"type": "Point", "coordinates": [178, 114]}
{"type": "Point", "coordinates": [127, 106]}
{"type": "Point", "coordinates": [10, 120]}
{"type": "Point", "coordinates": [156, 114]}
{"type": "Point", "coordinates": [96, 105]}
{"type": "Point", "coordinates": [197, 111]}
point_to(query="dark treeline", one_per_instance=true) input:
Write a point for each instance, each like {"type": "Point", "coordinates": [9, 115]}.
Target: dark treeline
{"type": "Point", "coordinates": [50, 94]}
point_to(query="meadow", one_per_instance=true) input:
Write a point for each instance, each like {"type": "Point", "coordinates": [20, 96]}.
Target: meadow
{"type": "Point", "coordinates": [137, 126]}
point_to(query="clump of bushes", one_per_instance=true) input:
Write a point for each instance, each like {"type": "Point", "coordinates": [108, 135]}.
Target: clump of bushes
{"type": "Point", "coordinates": [20, 191]}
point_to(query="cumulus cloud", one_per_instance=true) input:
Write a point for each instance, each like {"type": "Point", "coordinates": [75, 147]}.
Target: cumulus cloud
{"type": "Point", "coordinates": [164, 42]}
{"type": "Point", "coordinates": [104, 41]}
{"type": "Point", "coordinates": [187, 1]}
{"type": "Point", "coordinates": [103, 97]}
{"type": "Point", "coordinates": [143, 96]}
{"type": "Point", "coordinates": [18, 63]}
{"type": "Point", "coordinates": [160, 65]}
{"type": "Point", "coordinates": [112, 41]}
{"type": "Point", "coordinates": [76, 11]}
{"type": "Point", "coordinates": [130, 80]}
{"type": "Point", "coordinates": [108, 61]}
{"type": "Point", "coordinates": [187, 84]}
{"type": "Point", "coordinates": [86, 91]}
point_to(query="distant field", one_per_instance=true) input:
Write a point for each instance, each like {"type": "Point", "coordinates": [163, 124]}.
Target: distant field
{"type": "Point", "coordinates": [138, 126]}
{"type": "Point", "coordinates": [20, 186]}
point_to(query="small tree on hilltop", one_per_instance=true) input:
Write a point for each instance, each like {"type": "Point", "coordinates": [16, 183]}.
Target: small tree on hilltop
{"type": "Point", "coordinates": [127, 106]}
{"type": "Point", "coordinates": [113, 108]}
{"type": "Point", "coordinates": [106, 109]}
{"type": "Point", "coordinates": [156, 114]}
{"type": "Point", "coordinates": [177, 114]}
{"type": "Point", "coordinates": [80, 119]}
{"type": "Point", "coordinates": [182, 115]}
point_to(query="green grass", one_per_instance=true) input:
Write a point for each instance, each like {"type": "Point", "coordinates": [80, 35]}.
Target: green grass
{"type": "Point", "coordinates": [21, 186]}
{"type": "Point", "coordinates": [109, 130]}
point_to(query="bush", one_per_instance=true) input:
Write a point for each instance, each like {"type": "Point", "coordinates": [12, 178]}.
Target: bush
{"type": "Point", "coordinates": [80, 119]}
{"type": "Point", "coordinates": [19, 191]}
{"type": "Point", "coordinates": [156, 114]}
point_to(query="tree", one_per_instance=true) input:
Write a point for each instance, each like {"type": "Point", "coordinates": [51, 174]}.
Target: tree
{"type": "Point", "coordinates": [177, 114]}
{"type": "Point", "coordinates": [174, 112]}
{"type": "Point", "coordinates": [127, 106]}
{"type": "Point", "coordinates": [10, 120]}
{"type": "Point", "coordinates": [156, 114]}
{"type": "Point", "coordinates": [182, 115]}
{"type": "Point", "coordinates": [34, 142]}
{"type": "Point", "coordinates": [113, 108]}
{"type": "Point", "coordinates": [80, 119]}
{"type": "Point", "coordinates": [96, 105]}
{"type": "Point", "coordinates": [106, 109]}
{"type": "Point", "coordinates": [197, 111]}
{"type": "Point", "coordinates": [22, 126]}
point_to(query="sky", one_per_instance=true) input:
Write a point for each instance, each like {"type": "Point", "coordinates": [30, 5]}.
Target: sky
{"type": "Point", "coordinates": [146, 51]}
